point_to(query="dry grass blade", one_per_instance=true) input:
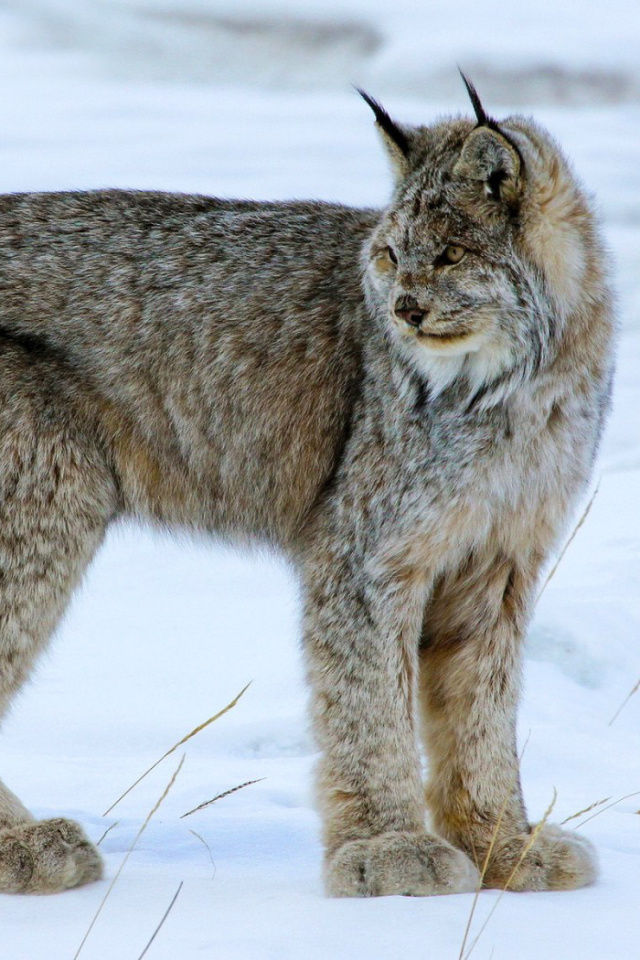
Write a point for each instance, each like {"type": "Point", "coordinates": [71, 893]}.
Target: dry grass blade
{"type": "Point", "coordinates": [483, 871]}
{"type": "Point", "coordinates": [624, 702]}
{"type": "Point", "coordinates": [127, 855]}
{"type": "Point", "coordinates": [201, 726]}
{"type": "Point", "coordinates": [570, 540]}
{"type": "Point", "coordinates": [107, 831]}
{"type": "Point", "coordinates": [532, 839]}
{"type": "Point", "coordinates": [636, 793]}
{"type": "Point", "coordinates": [525, 850]}
{"type": "Point", "coordinates": [208, 849]}
{"type": "Point", "coordinates": [219, 796]}
{"type": "Point", "coordinates": [164, 917]}
{"type": "Point", "coordinates": [574, 816]}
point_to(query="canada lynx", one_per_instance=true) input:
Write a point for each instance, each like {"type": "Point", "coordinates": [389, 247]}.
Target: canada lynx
{"type": "Point", "coordinates": [406, 402]}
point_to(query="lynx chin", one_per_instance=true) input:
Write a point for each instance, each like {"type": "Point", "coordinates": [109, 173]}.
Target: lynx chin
{"type": "Point", "coordinates": [407, 402]}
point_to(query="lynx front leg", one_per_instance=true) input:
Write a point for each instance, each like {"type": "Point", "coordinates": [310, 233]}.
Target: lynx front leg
{"type": "Point", "coordinates": [55, 501]}
{"type": "Point", "coordinates": [361, 642]}
{"type": "Point", "coordinates": [469, 684]}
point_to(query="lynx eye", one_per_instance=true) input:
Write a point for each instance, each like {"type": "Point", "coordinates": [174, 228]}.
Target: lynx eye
{"type": "Point", "coordinates": [392, 255]}
{"type": "Point", "coordinates": [453, 253]}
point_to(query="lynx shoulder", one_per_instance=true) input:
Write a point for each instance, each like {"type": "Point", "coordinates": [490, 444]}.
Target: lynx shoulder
{"type": "Point", "coordinates": [407, 402]}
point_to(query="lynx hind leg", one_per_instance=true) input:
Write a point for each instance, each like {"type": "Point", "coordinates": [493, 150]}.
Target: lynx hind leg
{"type": "Point", "coordinates": [56, 498]}
{"type": "Point", "coordinates": [469, 685]}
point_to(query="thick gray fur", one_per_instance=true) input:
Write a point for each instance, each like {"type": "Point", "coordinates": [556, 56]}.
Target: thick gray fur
{"type": "Point", "coordinates": [406, 402]}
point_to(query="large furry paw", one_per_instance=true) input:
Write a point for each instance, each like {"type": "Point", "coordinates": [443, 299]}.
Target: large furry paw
{"type": "Point", "coordinates": [557, 860]}
{"type": "Point", "coordinates": [46, 857]}
{"type": "Point", "coordinates": [403, 864]}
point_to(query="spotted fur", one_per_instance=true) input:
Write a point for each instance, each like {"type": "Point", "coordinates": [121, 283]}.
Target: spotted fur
{"type": "Point", "coordinates": [413, 428]}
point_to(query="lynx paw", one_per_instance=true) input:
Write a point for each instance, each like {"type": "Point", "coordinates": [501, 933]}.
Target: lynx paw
{"type": "Point", "coordinates": [399, 863]}
{"type": "Point", "coordinates": [46, 857]}
{"type": "Point", "coordinates": [558, 860]}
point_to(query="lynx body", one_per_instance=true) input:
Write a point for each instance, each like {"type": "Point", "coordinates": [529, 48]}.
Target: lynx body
{"type": "Point", "coordinates": [406, 402]}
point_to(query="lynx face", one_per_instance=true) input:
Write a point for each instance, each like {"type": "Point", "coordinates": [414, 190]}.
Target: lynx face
{"type": "Point", "coordinates": [451, 289]}
{"type": "Point", "coordinates": [482, 235]}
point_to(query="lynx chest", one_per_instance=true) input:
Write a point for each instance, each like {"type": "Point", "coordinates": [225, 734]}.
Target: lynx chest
{"type": "Point", "coordinates": [502, 481]}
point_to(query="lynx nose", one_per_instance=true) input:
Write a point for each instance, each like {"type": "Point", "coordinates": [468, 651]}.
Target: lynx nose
{"type": "Point", "coordinates": [407, 309]}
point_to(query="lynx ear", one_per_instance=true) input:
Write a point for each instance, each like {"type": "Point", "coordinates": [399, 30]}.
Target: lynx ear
{"type": "Point", "coordinates": [395, 139]}
{"type": "Point", "coordinates": [489, 156]}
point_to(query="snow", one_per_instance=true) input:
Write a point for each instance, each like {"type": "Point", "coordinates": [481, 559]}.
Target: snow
{"type": "Point", "coordinates": [165, 632]}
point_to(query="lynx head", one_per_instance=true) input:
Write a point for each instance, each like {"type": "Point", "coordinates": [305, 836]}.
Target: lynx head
{"type": "Point", "coordinates": [483, 256]}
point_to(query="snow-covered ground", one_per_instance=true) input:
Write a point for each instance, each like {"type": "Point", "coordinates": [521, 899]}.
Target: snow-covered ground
{"type": "Point", "coordinates": [165, 633]}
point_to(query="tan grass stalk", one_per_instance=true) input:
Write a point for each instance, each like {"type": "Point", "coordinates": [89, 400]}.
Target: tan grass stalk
{"type": "Point", "coordinates": [201, 726]}
{"type": "Point", "coordinates": [127, 855]}
{"type": "Point", "coordinates": [636, 793]}
{"type": "Point", "coordinates": [570, 540]}
{"type": "Point", "coordinates": [208, 849]}
{"type": "Point", "coordinates": [574, 816]}
{"type": "Point", "coordinates": [624, 702]}
{"type": "Point", "coordinates": [219, 796]}
{"type": "Point", "coordinates": [492, 843]}
{"type": "Point", "coordinates": [532, 839]}
{"type": "Point", "coordinates": [483, 872]}
{"type": "Point", "coordinates": [525, 850]}
{"type": "Point", "coordinates": [164, 917]}
{"type": "Point", "coordinates": [108, 830]}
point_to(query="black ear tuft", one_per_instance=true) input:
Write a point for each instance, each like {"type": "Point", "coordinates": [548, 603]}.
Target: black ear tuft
{"type": "Point", "coordinates": [481, 116]}
{"type": "Point", "coordinates": [384, 121]}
